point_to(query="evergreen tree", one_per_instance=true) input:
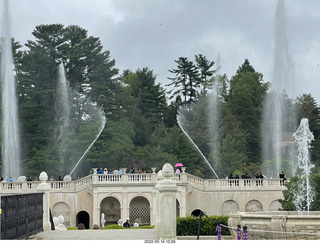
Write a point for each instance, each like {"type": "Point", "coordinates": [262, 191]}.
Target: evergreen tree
{"type": "Point", "coordinates": [204, 66]}
{"type": "Point", "coordinates": [185, 82]}
{"type": "Point", "coordinates": [89, 71]}
{"type": "Point", "coordinates": [245, 97]}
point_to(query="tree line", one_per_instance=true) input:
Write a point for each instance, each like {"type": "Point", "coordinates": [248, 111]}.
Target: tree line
{"type": "Point", "coordinates": [141, 127]}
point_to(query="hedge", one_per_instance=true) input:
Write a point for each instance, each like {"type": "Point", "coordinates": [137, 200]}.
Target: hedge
{"type": "Point", "coordinates": [188, 226]}
{"type": "Point", "coordinates": [115, 226]}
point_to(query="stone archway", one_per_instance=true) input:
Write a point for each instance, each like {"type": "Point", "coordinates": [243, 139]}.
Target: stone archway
{"type": "Point", "coordinates": [196, 212]}
{"type": "Point", "coordinates": [84, 218]}
{"type": "Point", "coordinates": [63, 209]}
{"type": "Point", "coordinates": [140, 209]}
{"type": "Point", "coordinates": [228, 207]}
{"type": "Point", "coordinates": [275, 205]}
{"type": "Point", "coordinates": [111, 208]}
{"type": "Point", "coordinates": [254, 206]}
{"type": "Point", "coordinates": [177, 208]}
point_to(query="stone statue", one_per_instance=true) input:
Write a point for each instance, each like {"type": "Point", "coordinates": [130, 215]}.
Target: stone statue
{"type": "Point", "coordinates": [103, 220]}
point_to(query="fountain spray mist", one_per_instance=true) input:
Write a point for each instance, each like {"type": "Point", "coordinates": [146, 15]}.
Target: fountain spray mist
{"type": "Point", "coordinates": [214, 116]}
{"type": "Point", "coordinates": [304, 193]}
{"type": "Point", "coordinates": [274, 118]}
{"type": "Point", "coordinates": [11, 161]}
{"type": "Point", "coordinates": [182, 120]}
{"type": "Point", "coordinates": [103, 122]}
{"type": "Point", "coordinates": [63, 108]}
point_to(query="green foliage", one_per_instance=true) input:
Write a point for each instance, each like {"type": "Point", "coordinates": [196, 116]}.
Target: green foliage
{"type": "Point", "coordinates": [293, 186]}
{"type": "Point", "coordinates": [72, 228]}
{"type": "Point", "coordinates": [115, 226]}
{"type": "Point", "coordinates": [188, 226]}
{"type": "Point", "coordinates": [307, 108]}
{"type": "Point", "coordinates": [144, 227]}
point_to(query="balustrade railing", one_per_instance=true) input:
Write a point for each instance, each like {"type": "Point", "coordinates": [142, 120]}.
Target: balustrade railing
{"type": "Point", "coordinates": [144, 177]}
{"type": "Point", "coordinates": [141, 178]}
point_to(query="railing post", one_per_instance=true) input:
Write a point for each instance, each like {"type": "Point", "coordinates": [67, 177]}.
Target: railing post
{"type": "Point", "coordinates": [183, 177]}
{"type": "Point", "coordinates": [95, 179]}
{"type": "Point", "coordinates": [45, 187]}
{"type": "Point", "coordinates": [154, 176]}
{"type": "Point", "coordinates": [167, 199]}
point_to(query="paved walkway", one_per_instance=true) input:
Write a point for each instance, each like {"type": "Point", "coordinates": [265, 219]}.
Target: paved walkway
{"type": "Point", "coordinates": [126, 234]}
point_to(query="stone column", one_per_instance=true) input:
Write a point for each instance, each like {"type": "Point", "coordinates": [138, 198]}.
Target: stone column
{"type": "Point", "coordinates": [96, 210]}
{"type": "Point", "coordinates": [45, 188]}
{"type": "Point", "coordinates": [125, 207]}
{"type": "Point", "coordinates": [167, 204]}
{"type": "Point", "coordinates": [184, 203]}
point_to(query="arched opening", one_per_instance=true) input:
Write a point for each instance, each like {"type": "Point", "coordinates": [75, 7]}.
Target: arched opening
{"type": "Point", "coordinates": [275, 206]}
{"type": "Point", "coordinates": [229, 207]}
{"type": "Point", "coordinates": [84, 218]}
{"type": "Point", "coordinates": [197, 212]}
{"type": "Point", "coordinates": [254, 206]}
{"type": "Point", "coordinates": [177, 208]}
{"type": "Point", "coordinates": [110, 207]}
{"type": "Point", "coordinates": [62, 208]}
{"type": "Point", "coordinates": [140, 210]}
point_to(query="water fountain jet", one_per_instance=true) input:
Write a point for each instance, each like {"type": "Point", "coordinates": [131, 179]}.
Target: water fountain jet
{"type": "Point", "coordinates": [182, 120]}
{"type": "Point", "coordinates": [11, 161]}
{"type": "Point", "coordinates": [275, 122]}
{"type": "Point", "coordinates": [304, 137]}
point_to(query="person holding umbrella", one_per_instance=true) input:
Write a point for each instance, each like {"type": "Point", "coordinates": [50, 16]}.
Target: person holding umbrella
{"type": "Point", "coordinates": [178, 166]}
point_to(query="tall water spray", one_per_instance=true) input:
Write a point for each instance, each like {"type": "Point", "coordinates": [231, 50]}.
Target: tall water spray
{"type": "Point", "coordinates": [11, 161]}
{"type": "Point", "coordinates": [275, 123]}
{"type": "Point", "coordinates": [214, 115]}
{"type": "Point", "coordinates": [304, 194]}
{"type": "Point", "coordinates": [103, 122]}
{"type": "Point", "coordinates": [64, 128]}
{"type": "Point", "coordinates": [63, 108]}
{"type": "Point", "coordinates": [183, 122]}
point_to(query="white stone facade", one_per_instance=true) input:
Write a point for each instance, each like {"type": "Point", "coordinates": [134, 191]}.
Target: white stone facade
{"type": "Point", "coordinates": [137, 196]}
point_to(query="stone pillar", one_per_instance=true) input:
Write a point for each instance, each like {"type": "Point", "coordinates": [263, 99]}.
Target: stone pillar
{"type": "Point", "coordinates": [125, 207]}
{"type": "Point", "coordinates": [183, 212]}
{"type": "Point", "coordinates": [167, 204]}
{"type": "Point", "coordinates": [45, 188]}
{"type": "Point", "coordinates": [96, 210]}
{"type": "Point", "coordinates": [154, 208]}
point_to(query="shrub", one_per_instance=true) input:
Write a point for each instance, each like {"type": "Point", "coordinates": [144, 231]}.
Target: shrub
{"type": "Point", "coordinates": [145, 227]}
{"type": "Point", "coordinates": [72, 228]}
{"type": "Point", "coordinates": [95, 227]}
{"type": "Point", "coordinates": [188, 226]}
{"type": "Point", "coordinates": [81, 226]}
{"type": "Point", "coordinates": [115, 226]}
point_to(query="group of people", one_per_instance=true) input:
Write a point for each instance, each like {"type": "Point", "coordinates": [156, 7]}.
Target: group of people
{"type": "Point", "coordinates": [259, 178]}
{"type": "Point", "coordinates": [105, 171]}
{"type": "Point", "coordinates": [127, 223]}
{"type": "Point", "coordinates": [282, 177]}
{"type": "Point", "coordinates": [10, 179]}
{"type": "Point", "coordinates": [246, 176]}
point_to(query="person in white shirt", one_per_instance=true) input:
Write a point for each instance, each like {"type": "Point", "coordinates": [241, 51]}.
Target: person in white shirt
{"type": "Point", "coordinates": [136, 224]}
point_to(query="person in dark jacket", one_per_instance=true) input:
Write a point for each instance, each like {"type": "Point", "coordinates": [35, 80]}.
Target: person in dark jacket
{"type": "Point", "coordinates": [126, 224]}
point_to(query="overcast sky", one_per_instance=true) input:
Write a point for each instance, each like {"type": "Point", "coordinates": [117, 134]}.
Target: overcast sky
{"type": "Point", "coordinates": [154, 33]}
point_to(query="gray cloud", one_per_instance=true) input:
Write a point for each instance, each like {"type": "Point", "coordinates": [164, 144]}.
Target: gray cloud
{"type": "Point", "coordinates": [154, 33]}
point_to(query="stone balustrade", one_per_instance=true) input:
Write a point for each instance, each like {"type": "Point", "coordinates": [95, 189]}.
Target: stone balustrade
{"type": "Point", "coordinates": [144, 178]}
